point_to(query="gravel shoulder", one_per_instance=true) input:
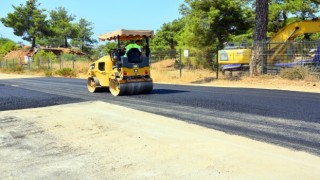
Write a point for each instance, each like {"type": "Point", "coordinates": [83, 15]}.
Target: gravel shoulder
{"type": "Point", "coordinates": [97, 140]}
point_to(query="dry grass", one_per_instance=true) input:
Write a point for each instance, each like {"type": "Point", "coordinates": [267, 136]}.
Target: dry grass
{"type": "Point", "coordinates": [79, 67]}
{"type": "Point", "coordinates": [165, 72]}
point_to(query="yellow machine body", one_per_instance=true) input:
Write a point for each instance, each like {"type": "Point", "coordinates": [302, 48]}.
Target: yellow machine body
{"type": "Point", "coordinates": [121, 73]}
{"type": "Point", "coordinates": [288, 33]}
{"type": "Point", "coordinates": [234, 56]}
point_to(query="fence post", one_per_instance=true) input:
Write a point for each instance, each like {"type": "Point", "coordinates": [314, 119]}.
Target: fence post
{"type": "Point", "coordinates": [262, 57]}
{"type": "Point", "coordinates": [29, 63]}
{"type": "Point", "coordinates": [38, 62]}
{"type": "Point", "coordinates": [302, 56]}
{"type": "Point", "coordinates": [180, 65]}
{"type": "Point", "coordinates": [48, 63]}
{"type": "Point", "coordinates": [60, 62]}
{"type": "Point", "coordinates": [73, 59]}
{"type": "Point", "coordinates": [217, 63]}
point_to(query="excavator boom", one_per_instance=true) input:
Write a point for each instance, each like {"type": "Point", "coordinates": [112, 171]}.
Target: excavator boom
{"type": "Point", "coordinates": [238, 58]}
{"type": "Point", "coordinates": [296, 29]}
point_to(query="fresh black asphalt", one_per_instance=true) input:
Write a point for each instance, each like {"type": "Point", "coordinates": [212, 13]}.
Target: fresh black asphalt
{"type": "Point", "coordinates": [12, 98]}
{"type": "Point", "coordinates": [286, 118]}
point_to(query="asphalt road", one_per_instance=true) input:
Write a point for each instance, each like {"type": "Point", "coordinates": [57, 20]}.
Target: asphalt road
{"type": "Point", "coordinates": [286, 118]}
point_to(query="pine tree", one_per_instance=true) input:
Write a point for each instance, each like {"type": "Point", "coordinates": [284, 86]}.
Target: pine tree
{"type": "Point", "coordinates": [260, 35]}
{"type": "Point", "coordinates": [28, 21]}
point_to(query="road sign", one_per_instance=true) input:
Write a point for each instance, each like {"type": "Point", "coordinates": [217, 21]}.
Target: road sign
{"type": "Point", "coordinates": [186, 53]}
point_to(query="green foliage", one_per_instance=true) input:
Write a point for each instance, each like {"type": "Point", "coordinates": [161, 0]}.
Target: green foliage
{"type": "Point", "coordinates": [45, 56]}
{"type": "Point", "coordinates": [51, 41]}
{"type": "Point", "coordinates": [6, 45]}
{"type": "Point", "coordinates": [82, 35]}
{"type": "Point", "coordinates": [12, 68]}
{"type": "Point", "coordinates": [48, 73]}
{"type": "Point", "coordinates": [28, 21]}
{"type": "Point", "coordinates": [81, 58]}
{"type": "Point", "coordinates": [103, 50]}
{"type": "Point", "coordinates": [204, 25]}
{"type": "Point", "coordinates": [295, 73]}
{"type": "Point", "coordinates": [305, 9]}
{"type": "Point", "coordinates": [283, 12]}
{"type": "Point", "coordinates": [69, 57]}
{"type": "Point", "coordinates": [166, 37]}
{"type": "Point", "coordinates": [66, 72]}
{"type": "Point", "coordinates": [212, 22]}
{"type": "Point", "coordinates": [200, 58]}
{"type": "Point", "coordinates": [61, 23]}
{"type": "Point", "coordinates": [315, 36]}
{"type": "Point", "coordinates": [242, 38]}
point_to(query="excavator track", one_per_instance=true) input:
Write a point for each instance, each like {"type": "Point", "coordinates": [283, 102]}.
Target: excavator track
{"type": "Point", "coordinates": [118, 88]}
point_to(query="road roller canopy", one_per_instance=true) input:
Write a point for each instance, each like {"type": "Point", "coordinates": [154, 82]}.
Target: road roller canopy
{"type": "Point", "coordinates": [125, 34]}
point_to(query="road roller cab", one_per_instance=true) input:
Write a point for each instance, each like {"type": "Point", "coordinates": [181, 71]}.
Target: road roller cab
{"type": "Point", "coordinates": [123, 72]}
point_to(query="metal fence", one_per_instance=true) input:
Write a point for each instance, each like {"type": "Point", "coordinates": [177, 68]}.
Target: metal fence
{"type": "Point", "coordinates": [44, 63]}
{"type": "Point", "coordinates": [273, 58]}
{"type": "Point", "coordinates": [276, 56]}
{"type": "Point", "coordinates": [186, 63]}
{"type": "Point", "coordinates": [163, 54]}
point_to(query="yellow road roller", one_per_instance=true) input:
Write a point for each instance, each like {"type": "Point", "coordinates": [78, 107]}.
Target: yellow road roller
{"type": "Point", "coordinates": [123, 71]}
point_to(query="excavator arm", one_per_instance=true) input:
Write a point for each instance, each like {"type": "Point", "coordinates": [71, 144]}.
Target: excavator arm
{"type": "Point", "coordinates": [232, 59]}
{"type": "Point", "coordinates": [289, 33]}
{"type": "Point", "coordinates": [296, 29]}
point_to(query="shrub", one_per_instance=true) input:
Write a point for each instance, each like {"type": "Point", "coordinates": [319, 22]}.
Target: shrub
{"type": "Point", "coordinates": [295, 73]}
{"type": "Point", "coordinates": [18, 69]}
{"type": "Point", "coordinates": [68, 57]}
{"type": "Point", "coordinates": [45, 56]}
{"type": "Point", "coordinates": [12, 69]}
{"type": "Point", "coordinates": [66, 72]}
{"type": "Point", "coordinates": [7, 45]}
{"type": "Point", "coordinates": [48, 73]}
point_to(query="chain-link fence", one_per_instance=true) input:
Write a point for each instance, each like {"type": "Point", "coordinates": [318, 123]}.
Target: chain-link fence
{"type": "Point", "coordinates": [45, 63]}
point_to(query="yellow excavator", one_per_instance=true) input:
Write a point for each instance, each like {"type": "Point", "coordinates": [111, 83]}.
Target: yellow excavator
{"type": "Point", "coordinates": [237, 58]}
{"type": "Point", "coordinates": [123, 73]}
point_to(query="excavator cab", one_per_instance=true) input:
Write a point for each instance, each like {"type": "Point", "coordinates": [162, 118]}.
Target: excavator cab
{"type": "Point", "coordinates": [123, 73]}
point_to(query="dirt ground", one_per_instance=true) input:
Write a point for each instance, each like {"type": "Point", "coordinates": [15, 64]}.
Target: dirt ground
{"type": "Point", "coordinates": [97, 140]}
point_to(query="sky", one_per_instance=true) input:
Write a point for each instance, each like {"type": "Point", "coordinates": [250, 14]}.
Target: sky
{"type": "Point", "coordinates": [106, 15]}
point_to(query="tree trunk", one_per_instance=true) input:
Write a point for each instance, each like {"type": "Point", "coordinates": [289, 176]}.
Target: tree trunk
{"type": "Point", "coordinates": [33, 42]}
{"type": "Point", "coordinates": [220, 41]}
{"type": "Point", "coordinates": [260, 34]}
{"type": "Point", "coordinates": [65, 42]}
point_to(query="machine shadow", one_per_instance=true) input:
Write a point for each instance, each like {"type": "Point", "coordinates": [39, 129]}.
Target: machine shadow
{"type": "Point", "coordinates": [166, 91]}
